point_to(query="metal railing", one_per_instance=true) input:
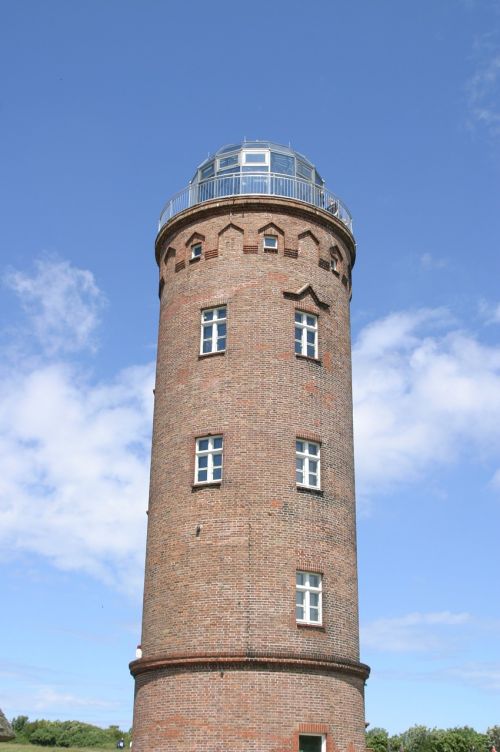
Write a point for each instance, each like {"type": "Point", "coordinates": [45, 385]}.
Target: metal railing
{"type": "Point", "coordinates": [256, 184]}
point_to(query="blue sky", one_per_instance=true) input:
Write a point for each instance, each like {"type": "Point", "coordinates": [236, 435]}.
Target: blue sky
{"type": "Point", "coordinates": [106, 109]}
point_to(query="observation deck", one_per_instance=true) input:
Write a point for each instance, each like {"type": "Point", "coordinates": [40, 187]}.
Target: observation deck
{"type": "Point", "coordinates": [257, 168]}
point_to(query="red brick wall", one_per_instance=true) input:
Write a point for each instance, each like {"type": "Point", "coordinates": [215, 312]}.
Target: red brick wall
{"type": "Point", "coordinates": [221, 561]}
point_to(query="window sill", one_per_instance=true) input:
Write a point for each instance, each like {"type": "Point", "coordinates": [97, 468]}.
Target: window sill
{"type": "Point", "coordinates": [308, 357]}
{"type": "Point", "coordinates": [211, 484]}
{"type": "Point", "coordinates": [310, 490]}
{"type": "Point", "coordinates": [195, 259]}
{"type": "Point", "coordinates": [201, 356]}
{"type": "Point", "coordinates": [311, 625]}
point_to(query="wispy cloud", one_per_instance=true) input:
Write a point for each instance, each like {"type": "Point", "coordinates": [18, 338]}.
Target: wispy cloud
{"type": "Point", "coordinates": [484, 676]}
{"type": "Point", "coordinates": [489, 312]}
{"type": "Point", "coordinates": [46, 698]}
{"type": "Point", "coordinates": [425, 392]}
{"type": "Point", "coordinates": [430, 262]}
{"type": "Point", "coordinates": [415, 632]}
{"type": "Point", "coordinates": [483, 86]}
{"type": "Point", "coordinates": [62, 304]}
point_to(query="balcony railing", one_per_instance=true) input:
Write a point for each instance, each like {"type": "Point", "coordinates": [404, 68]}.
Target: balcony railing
{"type": "Point", "coordinates": [256, 184]}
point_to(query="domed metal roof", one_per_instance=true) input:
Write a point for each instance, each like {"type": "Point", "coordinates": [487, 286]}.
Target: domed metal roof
{"type": "Point", "coordinates": [257, 157]}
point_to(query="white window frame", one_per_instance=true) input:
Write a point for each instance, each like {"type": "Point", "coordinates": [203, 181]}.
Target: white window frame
{"type": "Point", "coordinates": [246, 158]}
{"type": "Point", "coordinates": [214, 448]}
{"type": "Point", "coordinates": [303, 324]}
{"type": "Point", "coordinates": [194, 254]}
{"type": "Point", "coordinates": [305, 457]}
{"type": "Point", "coordinates": [309, 589]}
{"type": "Point", "coordinates": [215, 336]}
{"type": "Point", "coordinates": [234, 166]}
{"type": "Point", "coordinates": [321, 736]}
{"type": "Point", "coordinates": [270, 242]}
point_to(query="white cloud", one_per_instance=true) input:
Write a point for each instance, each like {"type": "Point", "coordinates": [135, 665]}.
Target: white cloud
{"type": "Point", "coordinates": [62, 303]}
{"type": "Point", "coordinates": [425, 393]}
{"type": "Point", "coordinates": [415, 632]}
{"type": "Point", "coordinates": [74, 466]}
{"type": "Point", "coordinates": [74, 454]}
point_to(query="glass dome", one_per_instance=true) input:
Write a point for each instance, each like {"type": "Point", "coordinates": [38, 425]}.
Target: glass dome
{"type": "Point", "coordinates": [257, 168]}
{"type": "Point", "coordinates": [257, 157]}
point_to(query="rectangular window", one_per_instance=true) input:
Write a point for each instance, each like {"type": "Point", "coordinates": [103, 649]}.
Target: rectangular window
{"type": "Point", "coordinates": [306, 334]}
{"type": "Point", "coordinates": [312, 743]}
{"type": "Point", "coordinates": [196, 251]}
{"type": "Point", "coordinates": [255, 158]}
{"type": "Point", "coordinates": [308, 593]}
{"type": "Point", "coordinates": [270, 243]}
{"type": "Point", "coordinates": [213, 330]}
{"type": "Point", "coordinates": [307, 463]}
{"type": "Point", "coordinates": [208, 459]}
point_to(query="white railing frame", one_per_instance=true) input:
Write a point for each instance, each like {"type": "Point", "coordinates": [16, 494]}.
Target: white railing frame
{"type": "Point", "coordinates": [256, 184]}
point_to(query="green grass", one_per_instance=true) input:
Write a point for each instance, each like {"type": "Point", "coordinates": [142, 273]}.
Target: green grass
{"type": "Point", "coordinates": [10, 747]}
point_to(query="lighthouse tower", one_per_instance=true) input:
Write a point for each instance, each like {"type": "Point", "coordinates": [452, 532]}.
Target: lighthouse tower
{"type": "Point", "coordinates": [250, 623]}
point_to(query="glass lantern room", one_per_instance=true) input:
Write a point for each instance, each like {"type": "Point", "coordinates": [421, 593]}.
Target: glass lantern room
{"type": "Point", "coordinates": [260, 157]}
{"type": "Point", "coordinates": [257, 168]}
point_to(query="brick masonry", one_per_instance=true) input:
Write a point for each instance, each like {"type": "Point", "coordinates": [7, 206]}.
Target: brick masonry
{"type": "Point", "coordinates": [225, 665]}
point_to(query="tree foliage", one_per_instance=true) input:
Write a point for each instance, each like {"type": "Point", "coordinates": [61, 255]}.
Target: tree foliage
{"type": "Point", "coordinates": [423, 739]}
{"type": "Point", "coordinates": [66, 733]}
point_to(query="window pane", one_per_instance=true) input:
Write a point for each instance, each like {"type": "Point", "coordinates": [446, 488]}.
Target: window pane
{"type": "Point", "coordinates": [299, 445]}
{"type": "Point", "coordinates": [255, 158]}
{"type": "Point", "coordinates": [314, 580]}
{"type": "Point", "coordinates": [314, 600]}
{"type": "Point", "coordinates": [311, 320]}
{"type": "Point", "coordinates": [311, 336]}
{"type": "Point", "coordinates": [217, 473]}
{"type": "Point", "coordinates": [298, 333]}
{"type": "Point", "coordinates": [313, 480]}
{"type": "Point", "coordinates": [221, 313]}
{"type": "Point", "coordinates": [217, 460]}
{"type": "Point", "coordinates": [300, 578]}
{"type": "Point", "coordinates": [299, 599]}
{"type": "Point", "coordinates": [270, 241]}
{"type": "Point", "coordinates": [313, 449]}
{"type": "Point", "coordinates": [208, 315]}
{"type": "Point", "coordinates": [218, 442]}
{"type": "Point", "coordinates": [313, 467]}
{"type": "Point", "coordinates": [207, 331]}
{"type": "Point", "coordinates": [202, 475]}
{"type": "Point", "coordinates": [221, 329]}
{"type": "Point", "coordinates": [314, 614]}
{"type": "Point", "coordinates": [221, 344]}
{"type": "Point", "coordinates": [310, 743]}
{"type": "Point", "coordinates": [311, 351]}
{"type": "Point", "coordinates": [228, 161]}
{"type": "Point", "coordinates": [299, 612]}
{"type": "Point", "coordinates": [298, 347]}
{"type": "Point", "coordinates": [203, 461]}
{"type": "Point", "coordinates": [282, 163]}
{"type": "Point", "coordinates": [207, 345]}
{"type": "Point", "coordinates": [203, 445]}
{"type": "Point", "coordinates": [207, 171]}
{"type": "Point", "coordinates": [298, 316]}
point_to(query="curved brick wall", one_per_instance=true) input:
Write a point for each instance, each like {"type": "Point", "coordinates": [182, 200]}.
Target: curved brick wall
{"type": "Point", "coordinates": [221, 561]}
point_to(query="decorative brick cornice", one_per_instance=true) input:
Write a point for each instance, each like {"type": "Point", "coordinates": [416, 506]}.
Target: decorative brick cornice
{"type": "Point", "coordinates": [257, 661]}
{"type": "Point", "coordinates": [221, 206]}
